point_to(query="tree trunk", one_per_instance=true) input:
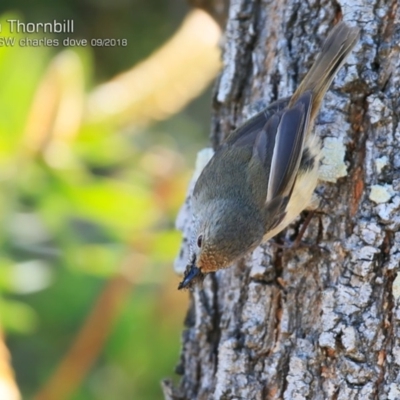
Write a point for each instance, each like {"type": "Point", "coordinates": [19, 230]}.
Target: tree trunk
{"type": "Point", "coordinates": [320, 321]}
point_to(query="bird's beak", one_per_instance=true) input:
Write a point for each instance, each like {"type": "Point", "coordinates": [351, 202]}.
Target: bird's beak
{"type": "Point", "coordinates": [192, 275]}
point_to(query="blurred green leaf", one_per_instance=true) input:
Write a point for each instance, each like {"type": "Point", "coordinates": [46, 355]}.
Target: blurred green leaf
{"type": "Point", "coordinates": [102, 260]}
{"type": "Point", "coordinates": [21, 68]}
{"type": "Point", "coordinates": [18, 317]}
{"type": "Point", "coordinates": [166, 245]}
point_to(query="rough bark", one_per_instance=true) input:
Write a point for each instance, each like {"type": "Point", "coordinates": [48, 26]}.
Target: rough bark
{"type": "Point", "coordinates": [323, 321]}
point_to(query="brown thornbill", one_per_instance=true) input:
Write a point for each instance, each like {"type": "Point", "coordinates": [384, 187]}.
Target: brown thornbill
{"type": "Point", "coordinates": [265, 172]}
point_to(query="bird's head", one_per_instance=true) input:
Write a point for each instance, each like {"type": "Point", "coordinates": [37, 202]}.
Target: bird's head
{"type": "Point", "coordinates": [222, 232]}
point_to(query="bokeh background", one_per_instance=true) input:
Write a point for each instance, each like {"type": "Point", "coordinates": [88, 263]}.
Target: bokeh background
{"type": "Point", "coordinates": [97, 146]}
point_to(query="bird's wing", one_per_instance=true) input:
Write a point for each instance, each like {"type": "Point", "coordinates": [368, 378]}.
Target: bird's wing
{"type": "Point", "coordinates": [288, 130]}
{"type": "Point", "coordinates": [247, 133]}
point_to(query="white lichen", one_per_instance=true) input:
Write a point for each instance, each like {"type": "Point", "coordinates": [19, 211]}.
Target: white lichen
{"type": "Point", "coordinates": [203, 157]}
{"type": "Point", "coordinates": [381, 193]}
{"type": "Point", "coordinates": [333, 166]}
{"type": "Point", "coordinates": [396, 287]}
{"type": "Point", "coordinates": [376, 109]}
{"type": "Point", "coordinates": [381, 163]}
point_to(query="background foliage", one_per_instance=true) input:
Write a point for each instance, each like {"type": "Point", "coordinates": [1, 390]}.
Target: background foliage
{"type": "Point", "coordinates": [88, 206]}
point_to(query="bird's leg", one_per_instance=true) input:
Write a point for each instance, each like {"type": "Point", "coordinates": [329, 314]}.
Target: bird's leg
{"type": "Point", "coordinates": [311, 208]}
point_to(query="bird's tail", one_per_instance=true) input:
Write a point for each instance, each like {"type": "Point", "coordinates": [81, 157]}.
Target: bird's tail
{"type": "Point", "coordinates": [336, 48]}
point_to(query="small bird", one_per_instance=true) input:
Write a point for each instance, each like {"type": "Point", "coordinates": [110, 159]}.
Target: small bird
{"type": "Point", "coordinates": [265, 172]}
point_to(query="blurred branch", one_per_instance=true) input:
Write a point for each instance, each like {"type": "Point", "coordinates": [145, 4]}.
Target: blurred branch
{"type": "Point", "coordinates": [91, 339]}
{"type": "Point", "coordinates": [8, 387]}
{"type": "Point", "coordinates": [218, 9]}
{"type": "Point", "coordinates": [152, 90]}
{"type": "Point", "coordinates": [56, 113]}
{"type": "Point", "coordinates": [165, 82]}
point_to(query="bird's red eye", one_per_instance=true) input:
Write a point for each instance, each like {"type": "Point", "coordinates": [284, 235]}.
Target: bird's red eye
{"type": "Point", "coordinates": [199, 241]}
